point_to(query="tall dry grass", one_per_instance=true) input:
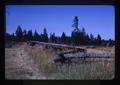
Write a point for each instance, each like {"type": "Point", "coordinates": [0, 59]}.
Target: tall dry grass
{"type": "Point", "coordinates": [92, 68]}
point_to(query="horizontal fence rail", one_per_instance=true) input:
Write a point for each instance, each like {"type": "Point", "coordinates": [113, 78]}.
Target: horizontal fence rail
{"type": "Point", "coordinates": [77, 51]}
{"type": "Point", "coordinates": [57, 45]}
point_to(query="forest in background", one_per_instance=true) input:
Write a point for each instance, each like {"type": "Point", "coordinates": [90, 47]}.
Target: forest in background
{"type": "Point", "coordinates": [78, 37]}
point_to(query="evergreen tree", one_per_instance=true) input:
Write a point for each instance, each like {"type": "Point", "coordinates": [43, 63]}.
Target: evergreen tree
{"type": "Point", "coordinates": [87, 39]}
{"type": "Point", "coordinates": [45, 35]}
{"type": "Point", "coordinates": [78, 37]}
{"type": "Point", "coordinates": [36, 36]}
{"type": "Point", "coordinates": [52, 38]}
{"type": "Point", "coordinates": [68, 40]}
{"type": "Point", "coordinates": [63, 38]}
{"type": "Point", "coordinates": [98, 41]}
{"type": "Point", "coordinates": [75, 35]}
{"type": "Point", "coordinates": [83, 31]}
{"type": "Point", "coordinates": [91, 37]}
{"type": "Point", "coordinates": [75, 23]}
{"type": "Point", "coordinates": [24, 35]}
{"type": "Point", "coordinates": [92, 40]}
{"type": "Point", "coordinates": [13, 37]}
{"type": "Point", "coordinates": [29, 35]}
{"type": "Point", "coordinates": [83, 36]}
{"type": "Point", "coordinates": [19, 34]}
{"type": "Point", "coordinates": [58, 39]}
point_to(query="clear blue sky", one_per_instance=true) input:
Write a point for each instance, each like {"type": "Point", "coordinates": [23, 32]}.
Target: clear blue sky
{"type": "Point", "coordinates": [96, 19]}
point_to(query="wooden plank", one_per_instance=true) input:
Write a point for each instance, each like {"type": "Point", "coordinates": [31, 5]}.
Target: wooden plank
{"type": "Point", "coordinates": [58, 45]}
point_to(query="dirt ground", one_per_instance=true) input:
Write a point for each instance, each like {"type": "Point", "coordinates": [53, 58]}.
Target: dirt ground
{"type": "Point", "coordinates": [18, 65]}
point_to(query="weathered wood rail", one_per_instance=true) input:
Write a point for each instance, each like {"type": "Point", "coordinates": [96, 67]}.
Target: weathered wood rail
{"type": "Point", "coordinates": [53, 45]}
{"type": "Point", "coordinates": [77, 52]}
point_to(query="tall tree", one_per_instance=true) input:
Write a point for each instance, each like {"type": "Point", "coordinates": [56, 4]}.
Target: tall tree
{"type": "Point", "coordinates": [75, 23]}
{"type": "Point", "coordinates": [63, 38]}
{"type": "Point", "coordinates": [83, 31]}
{"type": "Point", "coordinates": [58, 39]}
{"type": "Point", "coordinates": [92, 40]}
{"type": "Point", "coordinates": [12, 37]}
{"type": "Point", "coordinates": [68, 40]}
{"type": "Point", "coordinates": [30, 35]}
{"type": "Point", "coordinates": [87, 39]}
{"type": "Point", "coordinates": [19, 34]}
{"type": "Point", "coordinates": [78, 36]}
{"type": "Point", "coordinates": [98, 40]}
{"type": "Point", "coordinates": [75, 35]}
{"type": "Point", "coordinates": [83, 36]}
{"type": "Point", "coordinates": [91, 37]}
{"type": "Point", "coordinates": [24, 35]}
{"type": "Point", "coordinates": [52, 38]}
{"type": "Point", "coordinates": [36, 36]}
{"type": "Point", "coordinates": [45, 35]}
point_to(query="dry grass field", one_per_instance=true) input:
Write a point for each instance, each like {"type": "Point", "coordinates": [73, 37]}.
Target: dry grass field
{"type": "Point", "coordinates": [36, 62]}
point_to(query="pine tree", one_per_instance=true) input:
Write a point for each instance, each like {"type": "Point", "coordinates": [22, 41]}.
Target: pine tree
{"type": "Point", "coordinates": [75, 35]}
{"type": "Point", "coordinates": [87, 39]}
{"type": "Point", "coordinates": [83, 31]}
{"type": "Point", "coordinates": [98, 40]}
{"type": "Point", "coordinates": [45, 35]}
{"type": "Point", "coordinates": [19, 34]}
{"type": "Point", "coordinates": [24, 35]}
{"type": "Point", "coordinates": [75, 23]}
{"type": "Point", "coordinates": [29, 35]}
{"type": "Point", "coordinates": [83, 36]}
{"type": "Point", "coordinates": [92, 39]}
{"type": "Point", "coordinates": [63, 38]}
{"type": "Point", "coordinates": [52, 38]}
{"type": "Point", "coordinates": [68, 40]}
{"type": "Point", "coordinates": [36, 36]}
{"type": "Point", "coordinates": [76, 38]}
{"type": "Point", "coordinates": [12, 37]}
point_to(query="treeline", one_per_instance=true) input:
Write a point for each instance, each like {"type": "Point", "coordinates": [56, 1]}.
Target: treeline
{"type": "Point", "coordinates": [78, 37]}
